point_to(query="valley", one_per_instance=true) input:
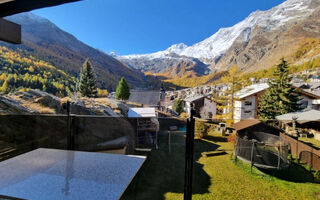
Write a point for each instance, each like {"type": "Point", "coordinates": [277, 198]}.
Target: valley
{"type": "Point", "coordinates": [255, 45]}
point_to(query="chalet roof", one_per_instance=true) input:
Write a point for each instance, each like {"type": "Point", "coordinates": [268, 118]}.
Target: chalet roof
{"type": "Point", "coordinates": [303, 116]}
{"type": "Point", "coordinates": [243, 124]}
{"type": "Point", "coordinates": [251, 90]}
{"type": "Point", "coordinates": [309, 89]}
{"type": "Point", "coordinates": [194, 98]}
{"type": "Point", "coordinates": [11, 7]}
{"type": "Point", "coordinates": [142, 112]}
{"type": "Point", "coordinates": [148, 98]}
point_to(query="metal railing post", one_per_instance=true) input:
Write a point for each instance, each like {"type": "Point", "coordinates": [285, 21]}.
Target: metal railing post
{"type": "Point", "coordinates": [189, 155]}
{"type": "Point", "coordinates": [252, 159]}
{"type": "Point", "coordinates": [70, 138]}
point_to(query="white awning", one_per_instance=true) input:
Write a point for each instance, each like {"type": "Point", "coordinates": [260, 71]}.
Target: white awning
{"type": "Point", "coordinates": [304, 116]}
{"type": "Point", "coordinates": [142, 112]}
{"type": "Point", "coordinates": [316, 102]}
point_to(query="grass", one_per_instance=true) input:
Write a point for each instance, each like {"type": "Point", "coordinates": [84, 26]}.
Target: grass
{"type": "Point", "coordinates": [216, 176]}
{"type": "Point", "coordinates": [311, 141]}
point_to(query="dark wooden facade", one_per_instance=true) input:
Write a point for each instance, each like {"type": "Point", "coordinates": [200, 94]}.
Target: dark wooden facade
{"type": "Point", "coordinates": [10, 32]}
{"type": "Point", "coordinates": [12, 7]}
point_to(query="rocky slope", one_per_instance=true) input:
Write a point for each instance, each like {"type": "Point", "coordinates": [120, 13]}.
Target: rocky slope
{"type": "Point", "coordinates": [39, 102]}
{"type": "Point", "coordinates": [265, 48]}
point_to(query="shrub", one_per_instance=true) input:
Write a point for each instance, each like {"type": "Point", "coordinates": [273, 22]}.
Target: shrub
{"type": "Point", "coordinates": [102, 93]}
{"type": "Point", "coordinates": [316, 175]}
{"type": "Point", "coordinates": [232, 138]}
{"type": "Point", "coordinates": [184, 115]}
{"type": "Point", "coordinates": [178, 106]}
{"type": "Point", "coordinates": [201, 129]}
{"type": "Point", "coordinates": [308, 167]}
{"type": "Point", "coordinates": [290, 157]}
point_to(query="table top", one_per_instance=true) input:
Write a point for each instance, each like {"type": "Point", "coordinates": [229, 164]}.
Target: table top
{"type": "Point", "coordinates": [47, 174]}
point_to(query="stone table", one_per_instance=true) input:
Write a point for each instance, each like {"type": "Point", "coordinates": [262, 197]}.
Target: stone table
{"type": "Point", "coordinates": [45, 174]}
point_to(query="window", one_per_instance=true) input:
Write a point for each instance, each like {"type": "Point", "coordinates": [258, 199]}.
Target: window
{"type": "Point", "coordinates": [247, 112]}
{"type": "Point", "coordinates": [248, 103]}
{"type": "Point", "coordinates": [304, 104]}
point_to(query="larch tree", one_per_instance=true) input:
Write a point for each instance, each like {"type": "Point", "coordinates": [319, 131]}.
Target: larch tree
{"type": "Point", "coordinates": [225, 102]}
{"type": "Point", "coordinates": [87, 84]}
{"type": "Point", "coordinates": [123, 90]}
{"type": "Point", "coordinates": [280, 98]}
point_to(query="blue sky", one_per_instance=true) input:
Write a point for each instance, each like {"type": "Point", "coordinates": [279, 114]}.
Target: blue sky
{"type": "Point", "coordinates": [146, 26]}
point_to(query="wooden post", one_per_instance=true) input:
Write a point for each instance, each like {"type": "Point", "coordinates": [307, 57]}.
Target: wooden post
{"type": "Point", "coordinates": [279, 160]}
{"type": "Point", "coordinates": [10, 32]}
{"type": "Point", "coordinates": [311, 157]}
{"type": "Point", "coordinates": [297, 149]}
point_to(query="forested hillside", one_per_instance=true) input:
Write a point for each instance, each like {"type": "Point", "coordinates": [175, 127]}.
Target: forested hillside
{"type": "Point", "coordinates": [20, 71]}
{"type": "Point", "coordinates": [47, 42]}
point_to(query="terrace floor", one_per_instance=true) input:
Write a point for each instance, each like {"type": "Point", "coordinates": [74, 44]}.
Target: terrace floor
{"type": "Point", "coordinates": [216, 176]}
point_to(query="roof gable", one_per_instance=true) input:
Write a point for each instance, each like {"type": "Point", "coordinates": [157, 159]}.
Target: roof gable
{"type": "Point", "coordinates": [243, 124]}
{"type": "Point", "coordinates": [251, 90]}
{"type": "Point", "coordinates": [149, 98]}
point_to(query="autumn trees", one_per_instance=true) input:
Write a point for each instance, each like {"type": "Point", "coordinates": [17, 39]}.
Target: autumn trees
{"type": "Point", "coordinates": [225, 101]}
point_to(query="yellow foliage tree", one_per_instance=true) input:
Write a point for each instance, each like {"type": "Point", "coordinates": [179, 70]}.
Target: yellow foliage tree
{"type": "Point", "coordinates": [225, 101]}
{"type": "Point", "coordinates": [5, 87]}
{"type": "Point", "coordinates": [102, 93]}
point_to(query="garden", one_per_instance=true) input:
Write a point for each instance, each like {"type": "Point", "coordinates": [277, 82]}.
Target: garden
{"type": "Point", "coordinates": [216, 174]}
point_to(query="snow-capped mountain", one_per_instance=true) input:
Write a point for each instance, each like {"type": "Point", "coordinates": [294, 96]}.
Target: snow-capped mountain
{"type": "Point", "coordinates": [212, 49]}
{"type": "Point", "coordinates": [167, 61]}
{"type": "Point", "coordinates": [218, 43]}
{"type": "Point", "coordinates": [174, 49]}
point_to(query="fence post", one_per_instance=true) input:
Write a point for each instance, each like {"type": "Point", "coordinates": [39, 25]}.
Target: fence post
{"type": "Point", "coordinates": [189, 155]}
{"type": "Point", "coordinates": [279, 157]}
{"type": "Point", "coordinates": [236, 148]}
{"type": "Point", "coordinates": [311, 157]}
{"type": "Point", "coordinates": [252, 156]}
{"type": "Point", "coordinates": [297, 149]}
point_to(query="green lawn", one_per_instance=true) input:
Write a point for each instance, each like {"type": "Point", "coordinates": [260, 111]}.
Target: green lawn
{"type": "Point", "coordinates": [216, 176]}
{"type": "Point", "coordinates": [311, 141]}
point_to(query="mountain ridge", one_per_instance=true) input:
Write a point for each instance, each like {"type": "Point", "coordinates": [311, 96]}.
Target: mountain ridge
{"type": "Point", "coordinates": [212, 50]}
{"type": "Point", "coordinates": [48, 42]}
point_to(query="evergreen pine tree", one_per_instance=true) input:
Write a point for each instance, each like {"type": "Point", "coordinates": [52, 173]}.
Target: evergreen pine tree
{"type": "Point", "coordinates": [86, 84]}
{"type": "Point", "coordinates": [178, 106]}
{"type": "Point", "coordinates": [281, 97]}
{"type": "Point", "coordinates": [122, 91]}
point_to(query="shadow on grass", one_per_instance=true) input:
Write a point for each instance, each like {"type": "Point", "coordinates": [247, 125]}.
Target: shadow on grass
{"type": "Point", "coordinates": [294, 173]}
{"type": "Point", "coordinates": [216, 138]}
{"type": "Point", "coordinates": [216, 154]}
{"type": "Point", "coordinates": [163, 171]}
